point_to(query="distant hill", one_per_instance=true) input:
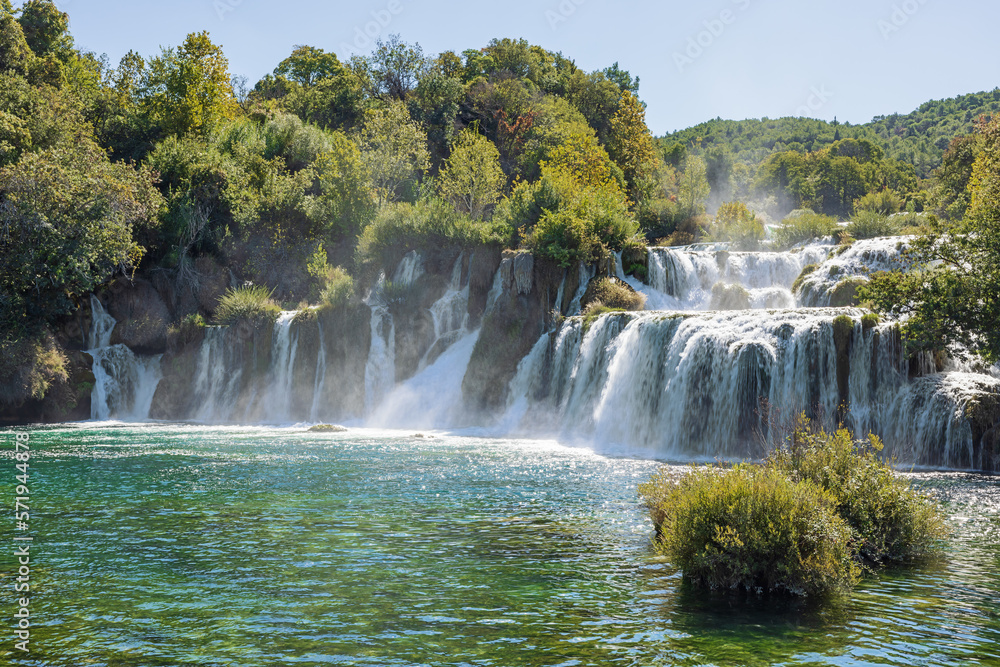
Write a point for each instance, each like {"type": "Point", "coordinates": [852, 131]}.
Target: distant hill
{"type": "Point", "coordinates": [919, 138]}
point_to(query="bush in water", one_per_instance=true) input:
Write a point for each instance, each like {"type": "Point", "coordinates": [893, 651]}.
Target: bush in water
{"type": "Point", "coordinates": [806, 522]}
{"type": "Point", "coordinates": [752, 528]}
{"type": "Point", "coordinates": [247, 303]}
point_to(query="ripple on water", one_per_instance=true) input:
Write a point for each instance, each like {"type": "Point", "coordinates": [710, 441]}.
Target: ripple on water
{"type": "Point", "coordinates": [167, 545]}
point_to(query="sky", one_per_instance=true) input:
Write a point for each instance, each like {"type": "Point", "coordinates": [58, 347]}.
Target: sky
{"type": "Point", "coordinates": [734, 59]}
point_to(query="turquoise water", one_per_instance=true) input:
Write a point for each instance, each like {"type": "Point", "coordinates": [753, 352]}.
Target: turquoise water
{"type": "Point", "coordinates": [183, 545]}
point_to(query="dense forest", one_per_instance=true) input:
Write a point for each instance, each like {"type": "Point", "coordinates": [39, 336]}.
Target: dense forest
{"type": "Point", "coordinates": [305, 183]}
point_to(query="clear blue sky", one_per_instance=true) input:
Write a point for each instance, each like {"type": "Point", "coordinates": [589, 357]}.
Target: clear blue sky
{"type": "Point", "coordinates": [853, 59]}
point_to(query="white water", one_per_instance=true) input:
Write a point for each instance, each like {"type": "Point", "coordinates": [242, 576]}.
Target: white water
{"type": "Point", "coordinates": [124, 382]}
{"type": "Point", "coordinates": [431, 399]}
{"type": "Point", "coordinates": [319, 383]}
{"type": "Point", "coordinates": [674, 386]}
{"type": "Point", "coordinates": [380, 370]}
{"type": "Point", "coordinates": [854, 262]}
{"type": "Point", "coordinates": [682, 278]}
{"type": "Point", "coordinates": [284, 345]}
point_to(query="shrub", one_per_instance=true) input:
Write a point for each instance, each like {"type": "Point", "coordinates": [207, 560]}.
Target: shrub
{"type": "Point", "coordinates": [892, 523]}
{"type": "Point", "coordinates": [737, 224]}
{"type": "Point", "coordinates": [594, 310]}
{"type": "Point", "coordinates": [251, 303]}
{"type": "Point", "coordinates": [338, 290]}
{"type": "Point", "coordinates": [845, 293]}
{"type": "Point", "coordinates": [730, 297]}
{"type": "Point", "coordinates": [751, 528]}
{"type": "Point", "coordinates": [871, 224]}
{"type": "Point", "coordinates": [30, 367]}
{"type": "Point", "coordinates": [807, 271]}
{"type": "Point", "coordinates": [806, 226]}
{"type": "Point", "coordinates": [869, 321]}
{"type": "Point", "coordinates": [613, 294]}
{"type": "Point", "coordinates": [884, 202]}
{"type": "Point", "coordinates": [426, 225]}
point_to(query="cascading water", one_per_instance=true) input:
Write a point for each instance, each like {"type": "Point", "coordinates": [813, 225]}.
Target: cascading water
{"type": "Point", "coordinates": [319, 383]}
{"type": "Point", "coordinates": [450, 314]}
{"type": "Point", "coordinates": [683, 278]}
{"type": "Point", "coordinates": [285, 341]}
{"type": "Point", "coordinates": [851, 263]}
{"type": "Point", "coordinates": [124, 383]}
{"type": "Point", "coordinates": [681, 386]}
{"type": "Point", "coordinates": [380, 370]}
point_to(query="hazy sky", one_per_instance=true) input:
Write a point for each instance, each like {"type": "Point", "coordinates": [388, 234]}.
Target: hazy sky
{"type": "Point", "coordinates": [853, 59]}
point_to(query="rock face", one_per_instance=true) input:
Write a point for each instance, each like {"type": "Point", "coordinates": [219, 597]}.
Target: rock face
{"type": "Point", "coordinates": [142, 315]}
{"type": "Point", "coordinates": [521, 313]}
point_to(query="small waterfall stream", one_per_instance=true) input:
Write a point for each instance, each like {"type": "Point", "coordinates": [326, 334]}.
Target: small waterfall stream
{"type": "Point", "coordinates": [124, 382]}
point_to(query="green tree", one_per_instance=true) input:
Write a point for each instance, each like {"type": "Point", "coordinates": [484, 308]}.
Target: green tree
{"type": "Point", "coordinates": [694, 188]}
{"type": "Point", "coordinates": [393, 149]}
{"type": "Point", "coordinates": [950, 287]}
{"type": "Point", "coordinates": [345, 199]}
{"type": "Point", "coordinates": [631, 146]}
{"type": "Point", "coordinates": [189, 88]}
{"type": "Point", "coordinates": [67, 225]}
{"type": "Point", "coordinates": [396, 67]}
{"type": "Point", "coordinates": [472, 179]}
{"type": "Point", "coordinates": [307, 65]}
{"type": "Point", "coordinates": [46, 29]}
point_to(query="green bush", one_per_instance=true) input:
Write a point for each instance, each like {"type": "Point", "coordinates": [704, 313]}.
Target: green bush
{"type": "Point", "coordinates": [871, 224]}
{"type": "Point", "coordinates": [807, 271]}
{"type": "Point", "coordinates": [338, 290]}
{"type": "Point", "coordinates": [594, 310]}
{"type": "Point", "coordinates": [892, 523]}
{"type": "Point", "coordinates": [426, 225]}
{"type": "Point", "coordinates": [845, 293]}
{"type": "Point", "coordinates": [751, 528]}
{"type": "Point", "coordinates": [729, 297]}
{"type": "Point", "coordinates": [250, 303]}
{"type": "Point", "coordinates": [869, 321]}
{"type": "Point", "coordinates": [613, 294]}
{"type": "Point", "coordinates": [737, 224]}
{"type": "Point", "coordinates": [885, 202]}
{"type": "Point", "coordinates": [806, 226]}
{"type": "Point", "coordinates": [818, 511]}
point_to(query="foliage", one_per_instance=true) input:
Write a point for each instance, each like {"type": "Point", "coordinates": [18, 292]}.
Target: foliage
{"type": "Point", "coordinates": [803, 522]}
{"type": "Point", "coordinates": [338, 290]}
{"type": "Point", "coordinates": [188, 89]}
{"type": "Point", "coordinates": [393, 148]}
{"type": "Point", "coordinates": [345, 203]}
{"type": "Point", "coordinates": [807, 226]}
{"type": "Point", "coordinates": [751, 528]}
{"type": "Point", "coordinates": [399, 228]}
{"type": "Point", "coordinates": [807, 271]}
{"type": "Point", "coordinates": [870, 224]}
{"type": "Point", "coordinates": [248, 303]}
{"type": "Point", "coordinates": [892, 523]}
{"type": "Point", "coordinates": [67, 225]}
{"type": "Point", "coordinates": [630, 145]}
{"type": "Point", "coordinates": [737, 224]}
{"type": "Point", "coordinates": [694, 188]}
{"type": "Point", "coordinates": [948, 286]}
{"type": "Point", "coordinates": [730, 297]}
{"type": "Point", "coordinates": [29, 367]}
{"type": "Point", "coordinates": [846, 292]}
{"type": "Point", "coordinates": [613, 294]}
{"type": "Point", "coordinates": [471, 178]}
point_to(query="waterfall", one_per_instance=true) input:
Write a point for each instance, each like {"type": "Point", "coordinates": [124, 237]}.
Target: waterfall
{"type": "Point", "coordinates": [678, 386]}
{"type": "Point", "coordinates": [450, 314]}
{"type": "Point", "coordinates": [319, 383]}
{"type": "Point", "coordinates": [380, 370]}
{"type": "Point", "coordinates": [284, 345]}
{"type": "Point", "coordinates": [683, 278]}
{"type": "Point", "coordinates": [587, 274]}
{"type": "Point", "coordinates": [852, 262]}
{"type": "Point", "coordinates": [218, 375]}
{"type": "Point", "coordinates": [431, 399]}
{"type": "Point", "coordinates": [124, 383]}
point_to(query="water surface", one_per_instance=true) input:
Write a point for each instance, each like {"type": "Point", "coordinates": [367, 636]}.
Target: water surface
{"type": "Point", "coordinates": [188, 545]}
